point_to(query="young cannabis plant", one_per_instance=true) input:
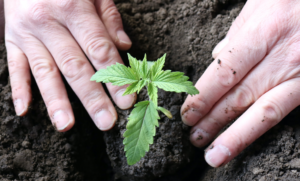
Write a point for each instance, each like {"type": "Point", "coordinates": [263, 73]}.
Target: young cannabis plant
{"type": "Point", "coordinates": [143, 119]}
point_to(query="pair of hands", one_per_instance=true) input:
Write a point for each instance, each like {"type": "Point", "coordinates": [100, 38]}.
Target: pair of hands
{"type": "Point", "coordinates": [255, 72]}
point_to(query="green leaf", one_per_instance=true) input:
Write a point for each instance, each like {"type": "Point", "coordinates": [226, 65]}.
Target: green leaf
{"type": "Point", "coordinates": [144, 68]}
{"type": "Point", "coordinates": [135, 87]}
{"type": "Point", "coordinates": [165, 111]}
{"type": "Point", "coordinates": [150, 64]}
{"type": "Point", "coordinates": [135, 65]}
{"type": "Point", "coordinates": [145, 57]}
{"type": "Point", "coordinates": [117, 74]}
{"type": "Point", "coordinates": [152, 92]}
{"type": "Point", "coordinates": [140, 131]}
{"type": "Point", "coordinates": [131, 89]}
{"type": "Point", "coordinates": [158, 65]}
{"type": "Point", "coordinates": [174, 82]}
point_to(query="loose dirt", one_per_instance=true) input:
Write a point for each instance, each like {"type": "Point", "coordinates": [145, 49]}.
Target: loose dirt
{"type": "Point", "coordinates": [187, 30]}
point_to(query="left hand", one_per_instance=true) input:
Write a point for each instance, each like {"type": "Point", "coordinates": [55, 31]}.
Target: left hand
{"type": "Point", "coordinates": [256, 73]}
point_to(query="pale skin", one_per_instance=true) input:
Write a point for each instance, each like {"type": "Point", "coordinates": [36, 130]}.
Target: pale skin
{"type": "Point", "coordinates": [50, 37]}
{"type": "Point", "coordinates": [255, 75]}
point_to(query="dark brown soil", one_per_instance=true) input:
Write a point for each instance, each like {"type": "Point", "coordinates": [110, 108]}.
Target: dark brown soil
{"type": "Point", "coordinates": [187, 30]}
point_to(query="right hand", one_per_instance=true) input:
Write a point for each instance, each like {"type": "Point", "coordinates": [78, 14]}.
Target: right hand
{"type": "Point", "coordinates": [49, 36]}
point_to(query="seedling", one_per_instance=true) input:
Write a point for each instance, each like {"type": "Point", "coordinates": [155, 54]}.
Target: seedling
{"type": "Point", "coordinates": [143, 119]}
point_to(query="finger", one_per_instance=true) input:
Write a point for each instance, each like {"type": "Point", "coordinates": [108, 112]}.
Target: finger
{"type": "Point", "coordinates": [77, 70]}
{"type": "Point", "coordinates": [231, 65]}
{"type": "Point", "coordinates": [50, 84]}
{"type": "Point", "coordinates": [19, 73]}
{"type": "Point", "coordinates": [244, 15]}
{"type": "Point", "coordinates": [112, 20]}
{"type": "Point", "coordinates": [93, 38]}
{"type": "Point", "coordinates": [267, 111]}
{"type": "Point", "coordinates": [239, 98]}
{"type": "Point", "coordinates": [230, 106]}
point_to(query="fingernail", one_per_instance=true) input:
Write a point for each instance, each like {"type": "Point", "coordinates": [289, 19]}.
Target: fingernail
{"type": "Point", "coordinates": [191, 116]}
{"type": "Point", "coordinates": [123, 37]}
{"type": "Point", "coordinates": [60, 120]}
{"type": "Point", "coordinates": [19, 107]}
{"type": "Point", "coordinates": [104, 120]}
{"type": "Point", "coordinates": [216, 155]}
{"type": "Point", "coordinates": [219, 47]}
{"type": "Point", "coordinates": [125, 102]}
{"type": "Point", "coordinates": [199, 134]}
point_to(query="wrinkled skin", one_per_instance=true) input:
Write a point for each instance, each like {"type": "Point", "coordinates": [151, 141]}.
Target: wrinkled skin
{"type": "Point", "coordinates": [50, 37]}
{"type": "Point", "coordinates": [255, 75]}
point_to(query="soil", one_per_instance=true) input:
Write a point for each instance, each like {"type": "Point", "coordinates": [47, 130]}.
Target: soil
{"type": "Point", "coordinates": [187, 30]}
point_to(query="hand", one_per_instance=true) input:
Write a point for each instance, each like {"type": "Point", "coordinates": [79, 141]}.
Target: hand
{"type": "Point", "coordinates": [255, 74]}
{"type": "Point", "coordinates": [49, 36]}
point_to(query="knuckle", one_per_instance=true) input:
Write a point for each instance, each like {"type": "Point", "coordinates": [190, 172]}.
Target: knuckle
{"type": "Point", "coordinates": [53, 101]}
{"type": "Point", "coordinates": [13, 65]}
{"type": "Point", "coordinates": [274, 29]}
{"type": "Point", "coordinates": [66, 5]}
{"type": "Point", "coordinates": [292, 59]}
{"type": "Point", "coordinates": [112, 14]}
{"type": "Point", "coordinates": [100, 51]}
{"type": "Point", "coordinates": [41, 69]}
{"type": "Point", "coordinates": [239, 21]}
{"type": "Point", "coordinates": [216, 124]}
{"type": "Point", "coordinates": [241, 98]}
{"type": "Point", "coordinates": [72, 67]}
{"type": "Point", "coordinates": [94, 100]}
{"type": "Point", "coordinates": [39, 14]}
{"type": "Point", "coordinates": [226, 77]}
{"type": "Point", "coordinates": [272, 113]}
{"type": "Point", "coordinates": [16, 87]}
{"type": "Point", "coordinates": [19, 88]}
{"type": "Point", "coordinates": [201, 106]}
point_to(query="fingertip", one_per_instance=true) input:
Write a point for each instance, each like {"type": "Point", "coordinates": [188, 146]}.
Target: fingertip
{"type": "Point", "coordinates": [217, 155]}
{"type": "Point", "coordinates": [21, 108]}
{"type": "Point", "coordinates": [105, 119]}
{"type": "Point", "coordinates": [190, 116]}
{"type": "Point", "coordinates": [123, 41]}
{"type": "Point", "coordinates": [125, 102]}
{"type": "Point", "coordinates": [193, 109]}
{"type": "Point", "coordinates": [62, 120]}
{"type": "Point", "coordinates": [199, 137]}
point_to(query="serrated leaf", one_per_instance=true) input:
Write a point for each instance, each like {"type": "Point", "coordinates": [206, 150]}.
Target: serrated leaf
{"type": "Point", "coordinates": [152, 92]}
{"type": "Point", "coordinates": [144, 68]}
{"type": "Point", "coordinates": [141, 84]}
{"type": "Point", "coordinates": [157, 66]}
{"type": "Point", "coordinates": [131, 89]}
{"type": "Point", "coordinates": [135, 65]}
{"type": "Point", "coordinates": [135, 87]}
{"type": "Point", "coordinates": [150, 64]}
{"type": "Point", "coordinates": [174, 82]}
{"type": "Point", "coordinates": [117, 74]}
{"type": "Point", "coordinates": [145, 57]}
{"type": "Point", "coordinates": [140, 131]}
{"type": "Point", "coordinates": [165, 111]}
